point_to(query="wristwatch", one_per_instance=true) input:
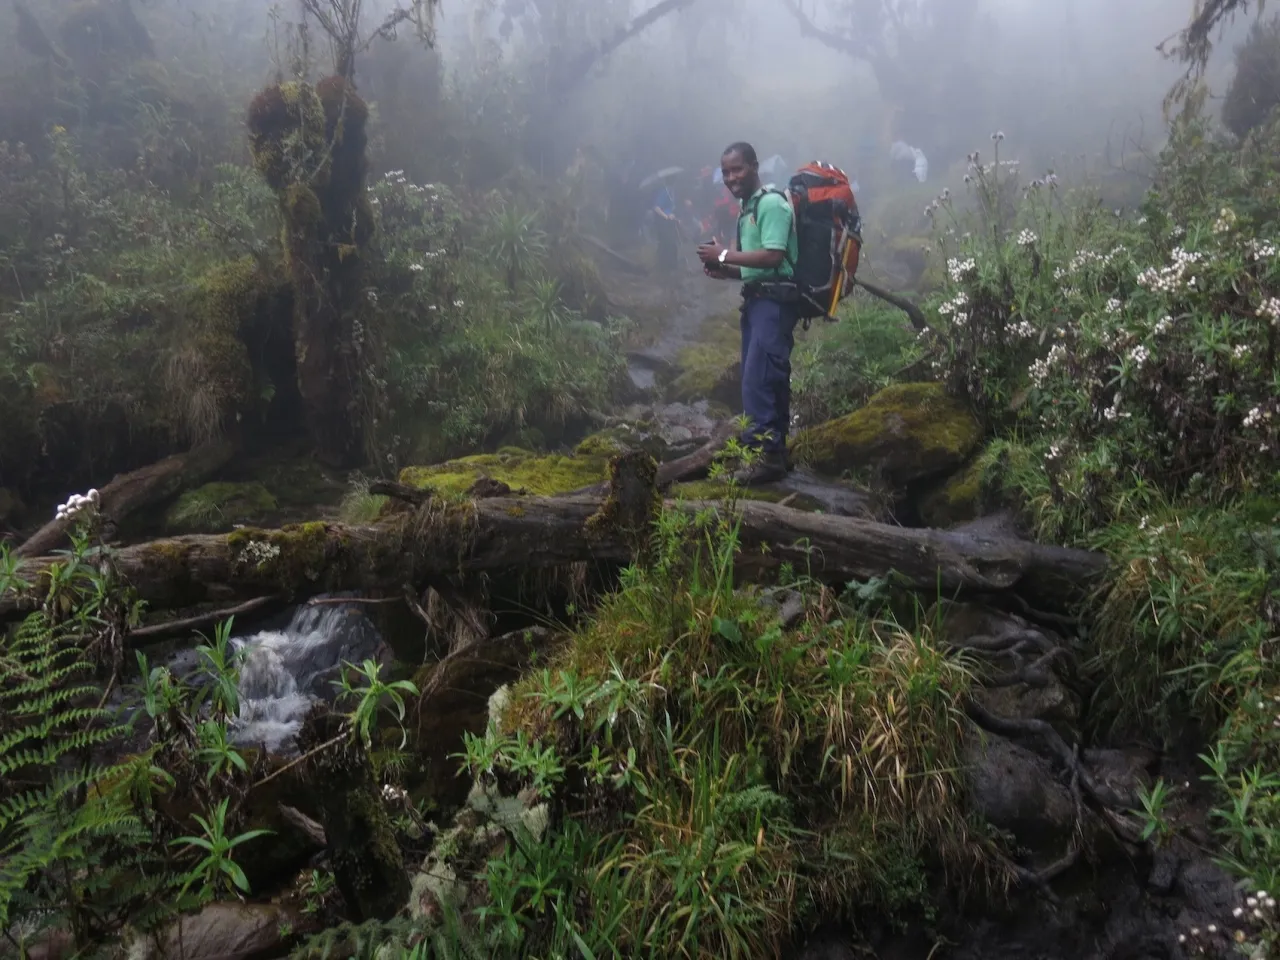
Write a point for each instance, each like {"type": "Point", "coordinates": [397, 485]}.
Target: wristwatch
{"type": "Point", "coordinates": [723, 253]}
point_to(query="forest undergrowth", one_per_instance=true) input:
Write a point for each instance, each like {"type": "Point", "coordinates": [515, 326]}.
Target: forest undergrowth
{"type": "Point", "coordinates": [685, 776]}
{"type": "Point", "coordinates": [1126, 364]}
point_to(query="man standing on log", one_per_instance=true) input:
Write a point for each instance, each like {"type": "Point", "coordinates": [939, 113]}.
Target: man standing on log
{"type": "Point", "coordinates": [763, 257]}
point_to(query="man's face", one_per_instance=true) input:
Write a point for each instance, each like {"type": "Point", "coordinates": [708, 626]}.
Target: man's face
{"type": "Point", "coordinates": [738, 176]}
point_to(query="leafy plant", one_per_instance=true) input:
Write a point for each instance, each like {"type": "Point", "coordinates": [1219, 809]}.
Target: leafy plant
{"type": "Point", "coordinates": [217, 870]}
{"type": "Point", "coordinates": [365, 685]}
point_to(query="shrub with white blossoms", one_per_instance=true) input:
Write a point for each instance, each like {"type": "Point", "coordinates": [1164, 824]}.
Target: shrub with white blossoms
{"type": "Point", "coordinates": [1158, 333]}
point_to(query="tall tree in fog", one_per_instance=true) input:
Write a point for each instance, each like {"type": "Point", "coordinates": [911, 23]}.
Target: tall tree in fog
{"type": "Point", "coordinates": [920, 52]}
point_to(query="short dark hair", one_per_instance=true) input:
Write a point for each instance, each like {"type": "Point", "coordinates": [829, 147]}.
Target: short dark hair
{"type": "Point", "coordinates": [743, 149]}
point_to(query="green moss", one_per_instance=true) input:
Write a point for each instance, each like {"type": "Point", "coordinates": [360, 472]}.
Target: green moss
{"type": "Point", "coordinates": [633, 499]}
{"type": "Point", "coordinates": [219, 504]}
{"type": "Point", "coordinates": [603, 444]}
{"type": "Point", "coordinates": [225, 302]}
{"type": "Point", "coordinates": [302, 206]}
{"type": "Point", "coordinates": [906, 432]}
{"type": "Point", "coordinates": [958, 500]}
{"type": "Point", "coordinates": [713, 490]}
{"type": "Point", "coordinates": [707, 372]}
{"type": "Point", "coordinates": [286, 134]}
{"type": "Point", "coordinates": [541, 476]}
{"type": "Point", "coordinates": [288, 555]}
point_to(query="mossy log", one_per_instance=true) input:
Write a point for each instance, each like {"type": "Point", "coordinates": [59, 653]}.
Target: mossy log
{"type": "Point", "coordinates": [518, 534]}
{"type": "Point", "coordinates": [129, 492]}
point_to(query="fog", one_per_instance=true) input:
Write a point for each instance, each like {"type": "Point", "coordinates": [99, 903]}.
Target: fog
{"type": "Point", "coordinates": [1073, 80]}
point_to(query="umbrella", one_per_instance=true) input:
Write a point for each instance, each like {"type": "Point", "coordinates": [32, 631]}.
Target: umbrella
{"type": "Point", "coordinates": [773, 165]}
{"type": "Point", "coordinates": [660, 175]}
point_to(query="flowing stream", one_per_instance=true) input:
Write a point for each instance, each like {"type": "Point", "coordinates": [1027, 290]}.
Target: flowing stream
{"type": "Point", "coordinates": [283, 671]}
{"type": "Point", "coordinates": [287, 664]}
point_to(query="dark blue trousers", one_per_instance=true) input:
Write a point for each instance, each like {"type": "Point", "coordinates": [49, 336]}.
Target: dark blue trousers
{"type": "Point", "coordinates": [768, 334]}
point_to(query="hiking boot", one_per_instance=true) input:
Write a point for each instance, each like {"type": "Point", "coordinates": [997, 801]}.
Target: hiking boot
{"type": "Point", "coordinates": [770, 468]}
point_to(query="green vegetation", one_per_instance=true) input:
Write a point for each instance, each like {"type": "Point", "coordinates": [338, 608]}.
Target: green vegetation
{"type": "Point", "coordinates": [1128, 369]}
{"type": "Point", "coordinates": [219, 505]}
{"type": "Point", "coordinates": [687, 777]}
{"type": "Point", "coordinates": [837, 367]}
{"type": "Point", "coordinates": [518, 469]}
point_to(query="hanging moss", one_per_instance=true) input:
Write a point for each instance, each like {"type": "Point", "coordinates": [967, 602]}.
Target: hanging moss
{"type": "Point", "coordinates": [286, 134]}
{"type": "Point", "coordinates": [224, 303]}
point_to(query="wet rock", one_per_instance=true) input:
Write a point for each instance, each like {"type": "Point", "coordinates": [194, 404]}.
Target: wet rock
{"type": "Point", "coordinates": [959, 499]}
{"type": "Point", "coordinates": [1016, 790]}
{"type": "Point", "coordinates": [665, 431]}
{"type": "Point", "coordinates": [1119, 775]}
{"type": "Point", "coordinates": [905, 433]}
{"type": "Point", "coordinates": [221, 931]}
{"type": "Point", "coordinates": [1053, 703]}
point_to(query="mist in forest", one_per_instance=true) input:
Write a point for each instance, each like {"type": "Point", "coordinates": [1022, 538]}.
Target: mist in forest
{"type": "Point", "coordinates": [1073, 82]}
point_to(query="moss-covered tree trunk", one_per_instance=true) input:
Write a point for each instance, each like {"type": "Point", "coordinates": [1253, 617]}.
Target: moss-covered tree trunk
{"type": "Point", "coordinates": [367, 864]}
{"type": "Point", "coordinates": [309, 144]}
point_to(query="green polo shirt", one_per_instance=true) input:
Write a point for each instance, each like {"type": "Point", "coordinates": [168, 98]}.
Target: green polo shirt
{"type": "Point", "coordinates": [765, 223]}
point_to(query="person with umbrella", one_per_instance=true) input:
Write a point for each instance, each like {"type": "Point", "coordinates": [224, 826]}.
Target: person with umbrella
{"type": "Point", "coordinates": [666, 224]}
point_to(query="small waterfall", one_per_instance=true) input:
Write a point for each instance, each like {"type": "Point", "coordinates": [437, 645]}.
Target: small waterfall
{"type": "Point", "coordinates": [284, 671]}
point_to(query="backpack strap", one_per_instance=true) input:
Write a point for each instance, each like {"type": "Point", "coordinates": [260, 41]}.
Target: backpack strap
{"type": "Point", "coordinates": [786, 254]}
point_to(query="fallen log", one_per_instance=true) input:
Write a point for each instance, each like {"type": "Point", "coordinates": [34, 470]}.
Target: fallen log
{"type": "Point", "coordinates": [625, 262]}
{"type": "Point", "coordinates": [683, 468]}
{"type": "Point", "coordinates": [129, 492]}
{"type": "Point", "coordinates": [517, 534]}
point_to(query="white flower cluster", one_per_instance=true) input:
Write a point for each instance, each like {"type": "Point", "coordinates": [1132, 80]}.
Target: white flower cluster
{"type": "Point", "coordinates": [1257, 904]}
{"type": "Point", "coordinates": [1174, 277]}
{"type": "Point", "coordinates": [960, 269]}
{"type": "Point", "coordinates": [1256, 417]}
{"type": "Point", "coordinates": [1114, 305]}
{"type": "Point", "coordinates": [1114, 412]}
{"type": "Point", "coordinates": [1240, 351]}
{"type": "Point", "coordinates": [392, 794]}
{"type": "Point", "coordinates": [1270, 310]}
{"type": "Point", "coordinates": [1164, 324]}
{"type": "Point", "coordinates": [1262, 249]}
{"type": "Point", "coordinates": [1086, 258]}
{"type": "Point", "coordinates": [954, 305]}
{"type": "Point", "coordinates": [1026, 238]}
{"type": "Point", "coordinates": [1023, 329]}
{"type": "Point", "coordinates": [1040, 370]}
{"type": "Point", "coordinates": [77, 504]}
{"type": "Point", "coordinates": [1226, 220]}
{"type": "Point", "coordinates": [1139, 355]}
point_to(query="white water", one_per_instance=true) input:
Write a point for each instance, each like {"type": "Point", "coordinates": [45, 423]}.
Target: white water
{"type": "Point", "coordinates": [283, 672]}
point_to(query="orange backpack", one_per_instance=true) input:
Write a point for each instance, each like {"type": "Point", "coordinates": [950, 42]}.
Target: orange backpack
{"type": "Point", "coordinates": [828, 236]}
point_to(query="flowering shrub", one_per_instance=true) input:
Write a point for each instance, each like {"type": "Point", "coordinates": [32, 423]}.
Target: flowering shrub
{"type": "Point", "coordinates": [1127, 366]}
{"type": "Point", "coordinates": [1145, 345]}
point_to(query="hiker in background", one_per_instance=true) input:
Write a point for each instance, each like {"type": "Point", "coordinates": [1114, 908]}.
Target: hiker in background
{"type": "Point", "coordinates": [902, 153]}
{"type": "Point", "coordinates": [763, 256]}
{"type": "Point", "coordinates": [666, 228]}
